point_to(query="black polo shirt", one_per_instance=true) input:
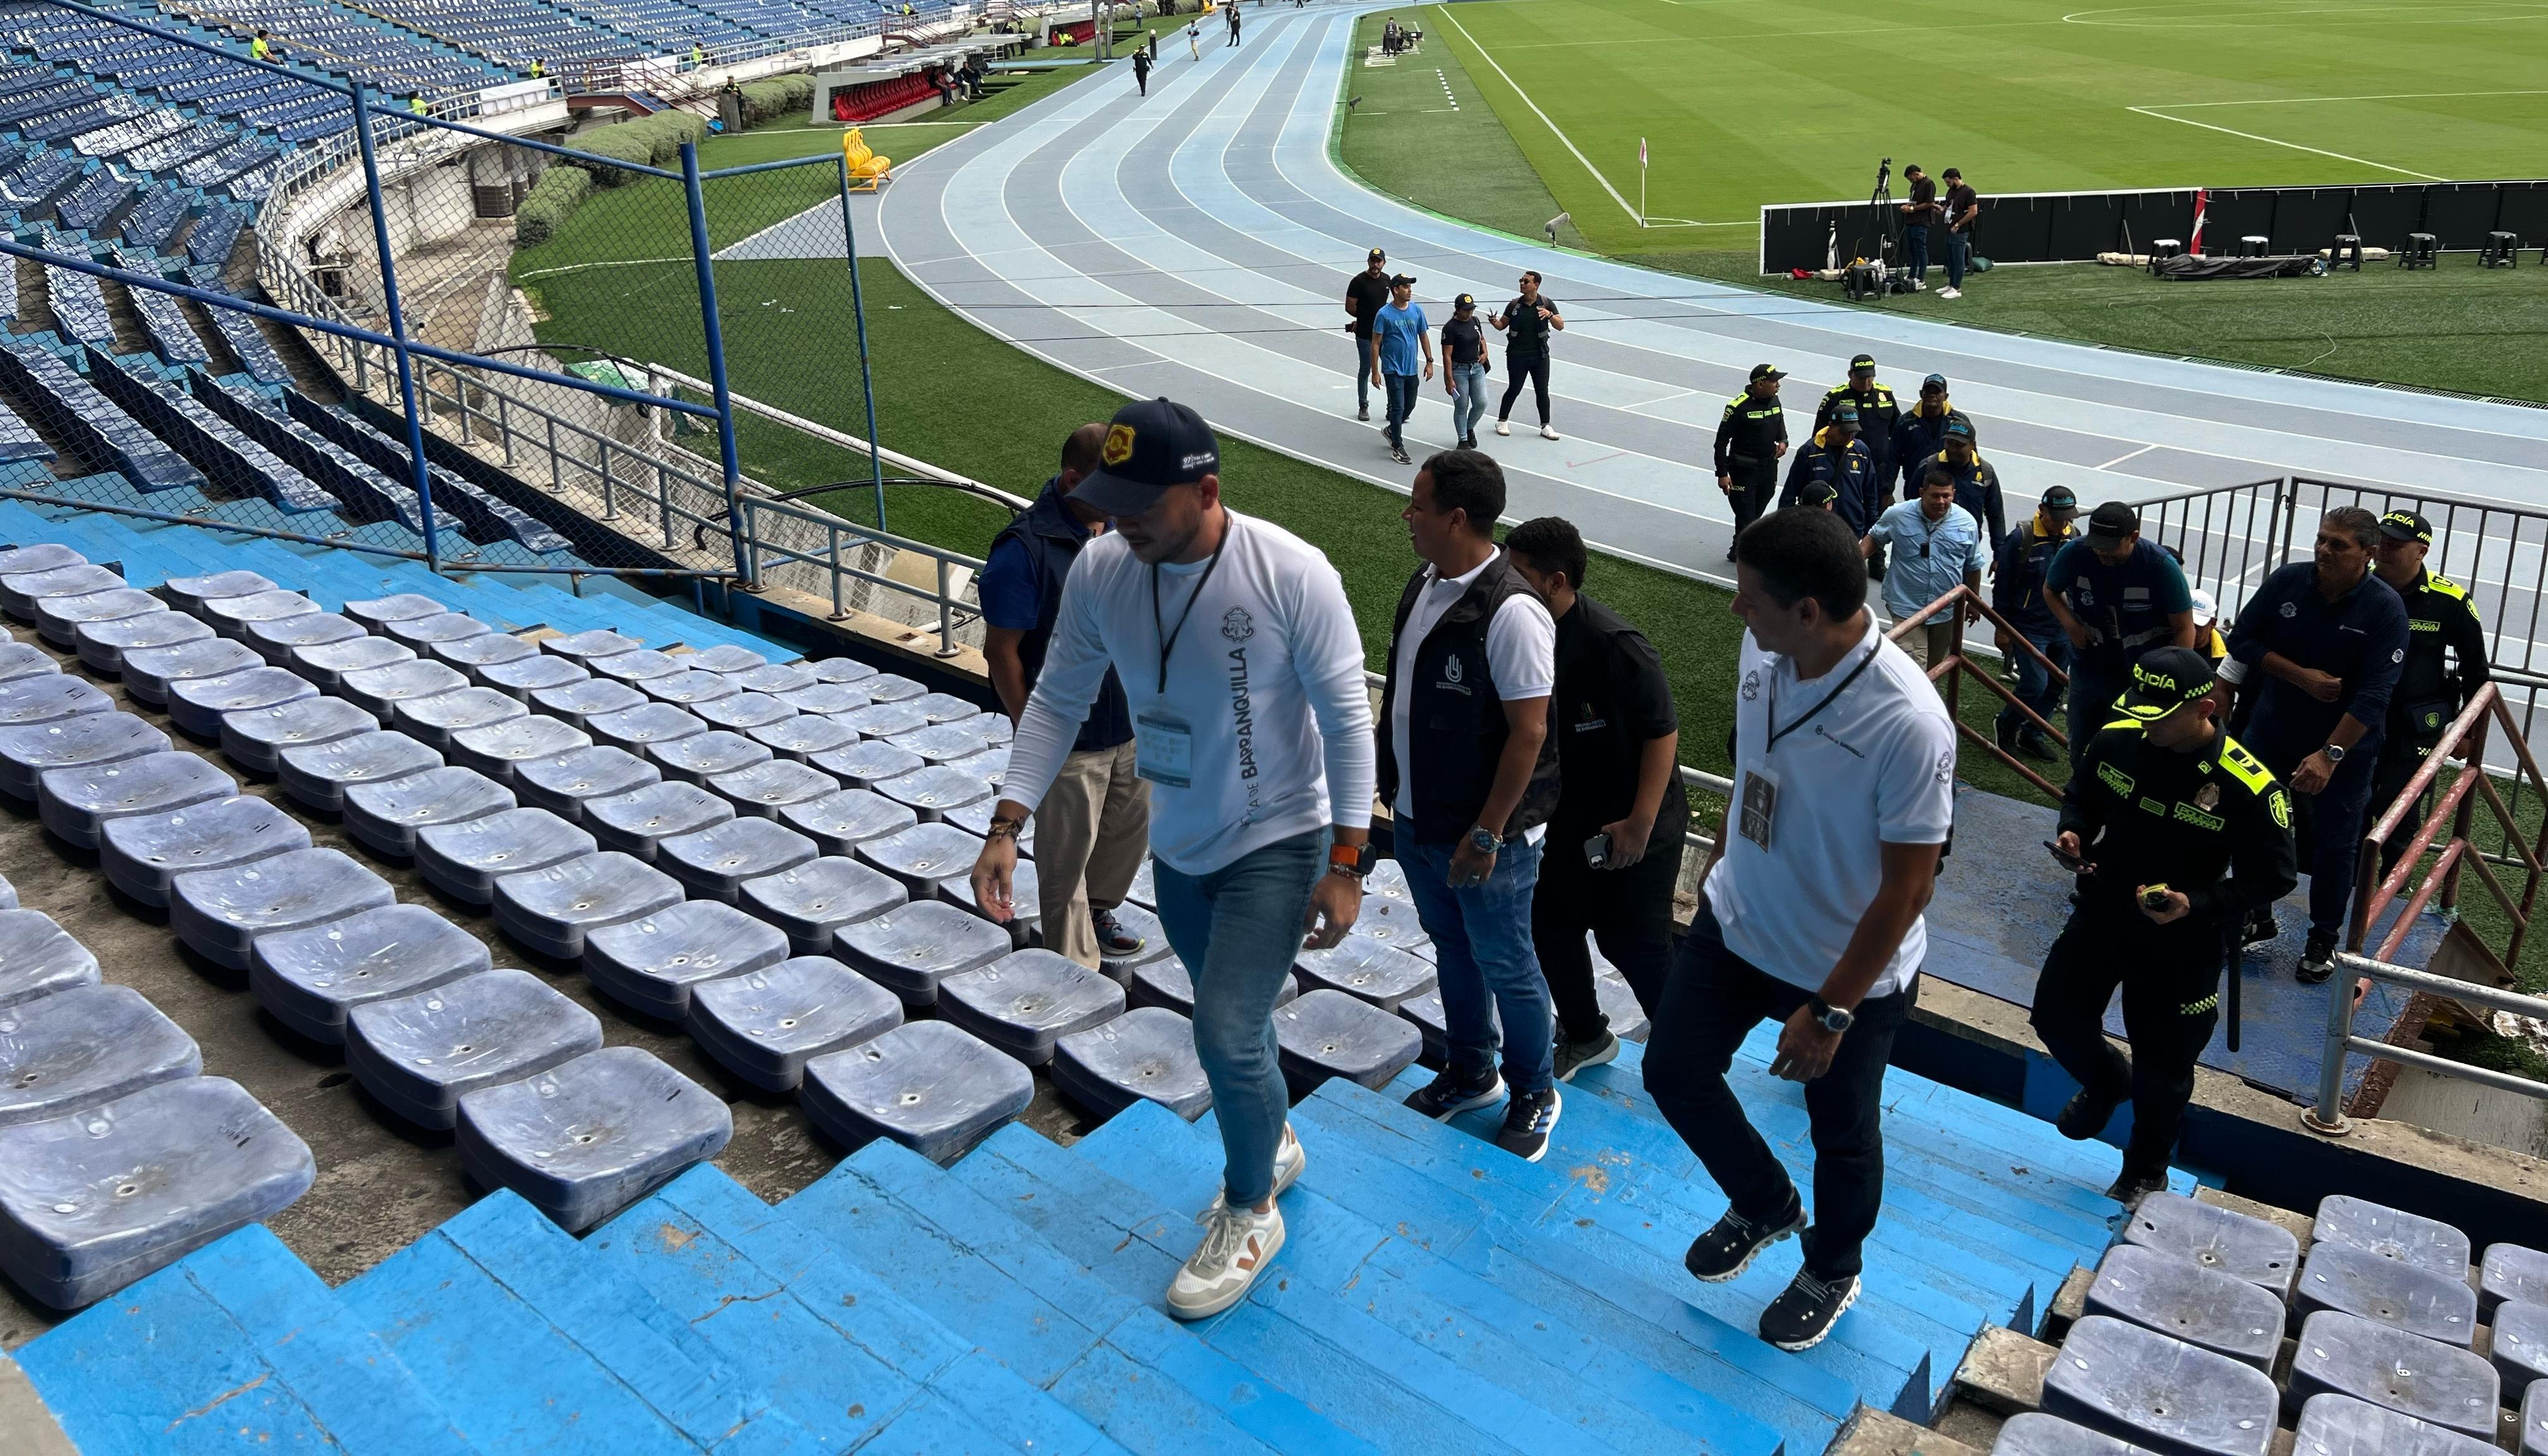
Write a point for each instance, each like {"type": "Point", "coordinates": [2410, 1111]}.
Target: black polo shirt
{"type": "Point", "coordinates": [1611, 699]}
{"type": "Point", "coordinates": [1526, 332]}
{"type": "Point", "coordinates": [1369, 296]}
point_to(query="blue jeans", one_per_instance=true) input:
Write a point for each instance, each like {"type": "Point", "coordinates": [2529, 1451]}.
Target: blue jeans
{"type": "Point", "coordinates": [1958, 245]}
{"type": "Point", "coordinates": [1482, 949]}
{"type": "Point", "coordinates": [2035, 684]}
{"type": "Point", "coordinates": [1468, 398]}
{"type": "Point", "coordinates": [1237, 929]}
{"type": "Point", "coordinates": [1915, 250]}
{"type": "Point", "coordinates": [1402, 405]}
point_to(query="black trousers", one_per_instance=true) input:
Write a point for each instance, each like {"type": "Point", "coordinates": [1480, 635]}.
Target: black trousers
{"type": "Point", "coordinates": [1628, 911]}
{"type": "Point", "coordinates": [1532, 368]}
{"type": "Point", "coordinates": [2094, 687]}
{"type": "Point", "coordinates": [1755, 485]}
{"type": "Point", "coordinates": [2400, 760]}
{"type": "Point", "coordinates": [2172, 990]}
{"type": "Point", "coordinates": [1713, 1001]}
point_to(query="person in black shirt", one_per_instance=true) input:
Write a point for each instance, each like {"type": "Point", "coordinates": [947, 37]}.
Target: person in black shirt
{"type": "Point", "coordinates": [1917, 215]}
{"type": "Point", "coordinates": [1955, 231]}
{"type": "Point", "coordinates": [1878, 414]}
{"type": "Point", "coordinates": [1751, 440]}
{"type": "Point", "coordinates": [2429, 696]}
{"type": "Point", "coordinates": [1465, 364]}
{"type": "Point", "coordinates": [1142, 69]}
{"type": "Point", "coordinates": [2183, 834]}
{"type": "Point", "coordinates": [1619, 782]}
{"type": "Point", "coordinates": [1526, 322]}
{"type": "Point", "coordinates": [1365, 296]}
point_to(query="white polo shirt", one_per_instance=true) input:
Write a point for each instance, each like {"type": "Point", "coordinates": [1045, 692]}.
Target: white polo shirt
{"type": "Point", "coordinates": [1875, 765]}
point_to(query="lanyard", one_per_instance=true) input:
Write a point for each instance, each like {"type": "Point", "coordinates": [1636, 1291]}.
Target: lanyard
{"type": "Point", "coordinates": [1771, 720]}
{"type": "Point", "coordinates": [1168, 635]}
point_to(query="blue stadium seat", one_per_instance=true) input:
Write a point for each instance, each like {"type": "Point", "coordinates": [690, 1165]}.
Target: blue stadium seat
{"type": "Point", "coordinates": [525, 678]}
{"type": "Point", "coordinates": [1024, 925]}
{"type": "Point", "coordinates": [1327, 1034]}
{"type": "Point", "coordinates": [2338, 1425]}
{"type": "Point", "coordinates": [39, 957]}
{"type": "Point", "coordinates": [446, 626]}
{"type": "Point", "coordinates": [843, 669]}
{"type": "Point", "coordinates": [727, 658]}
{"type": "Point", "coordinates": [941, 743]}
{"type": "Point", "coordinates": [1366, 969]}
{"type": "Point", "coordinates": [89, 739]}
{"type": "Point", "coordinates": [88, 1045]}
{"type": "Point", "coordinates": [497, 749]}
{"type": "Point", "coordinates": [1146, 1053]}
{"type": "Point", "coordinates": [41, 556]}
{"type": "Point", "coordinates": [254, 739]}
{"type": "Point", "coordinates": [377, 612]}
{"type": "Point", "coordinates": [739, 712]}
{"type": "Point", "coordinates": [312, 979]}
{"type": "Point", "coordinates": [2427, 1243]}
{"type": "Point", "coordinates": [991, 765]}
{"type": "Point", "coordinates": [197, 706]}
{"type": "Point", "coordinates": [275, 638]}
{"type": "Point", "coordinates": [767, 789]}
{"type": "Point", "coordinates": [419, 1053]}
{"type": "Point", "coordinates": [317, 774]}
{"type": "Point", "coordinates": [143, 854]}
{"type": "Point", "coordinates": [864, 765]}
{"type": "Point", "coordinates": [220, 913]}
{"type": "Point", "coordinates": [814, 899]}
{"type": "Point", "coordinates": [328, 663]}
{"type": "Point", "coordinates": [715, 862]}
{"type": "Point", "coordinates": [932, 791]}
{"type": "Point", "coordinates": [22, 660]}
{"type": "Point", "coordinates": [639, 665]}
{"type": "Point", "coordinates": [21, 590]}
{"type": "Point", "coordinates": [230, 615]}
{"type": "Point", "coordinates": [923, 856]}
{"type": "Point", "coordinates": [2520, 1348]}
{"type": "Point", "coordinates": [552, 909]}
{"type": "Point", "coordinates": [563, 785]}
{"type": "Point", "coordinates": [432, 720]}
{"type": "Point", "coordinates": [2510, 1271]}
{"type": "Point", "coordinates": [2183, 1300]}
{"type": "Point", "coordinates": [839, 822]}
{"type": "Point", "coordinates": [2145, 1387]}
{"type": "Point", "coordinates": [59, 618]}
{"type": "Point", "coordinates": [581, 1141]}
{"type": "Point", "coordinates": [148, 671]}
{"type": "Point", "coordinates": [189, 593]}
{"type": "Point", "coordinates": [2347, 1355]}
{"type": "Point", "coordinates": [692, 757]}
{"type": "Point", "coordinates": [801, 737]}
{"type": "Point", "coordinates": [2339, 1276]}
{"type": "Point", "coordinates": [387, 817]}
{"type": "Point", "coordinates": [464, 860]}
{"type": "Point", "coordinates": [579, 702]}
{"type": "Point", "coordinates": [76, 803]}
{"type": "Point", "coordinates": [641, 727]}
{"type": "Point", "coordinates": [891, 687]}
{"type": "Point", "coordinates": [929, 1086]}
{"type": "Point", "coordinates": [913, 947]}
{"type": "Point", "coordinates": [638, 821]}
{"type": "Point", "coordinates": [2534, 1419]}
{"type": "Point", "coordinates": [1025, 1001]}
{"type": "Point", "coordinates": [378, 688]}
{"type": "Point", "coordinates": [690, 686]}
{"type": "Point", "coordinates": [765, 1024]}
{"type": "Point", "coordinates": [102, 644]}
{"type": "Point", "coordinates": [654, 963]}
{"type": "Point", "coordinates": [588, 647]}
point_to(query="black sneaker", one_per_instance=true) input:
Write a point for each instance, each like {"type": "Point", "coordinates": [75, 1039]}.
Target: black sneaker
{"type": "Point", "coordinates": [2086, 1115]}
{"type": "Point", "coordinates": [1803, 1314]}
{"type": "Point", "coordinates": [1398, 454]}
{"type": "Point", "coordinates": [2261, 929]}
{"type": "Point", "coordinates": [2035, 745]}
{"type": "Point", "coordinates": [1111, 938]}
{"type": "Point", "coordinates": [2129, 1188]}
{"type": "Point", "coordinates": [1575, 1056]}
{"type": "Point", "coordinates": [2005, 730]}
{"type": "Point", "coordinates": [1528, 1120]}
{"type": "Point", "coordinates": [1730, 1244]}
{"type": "Point", "coordinates": [2317, 959]}
{"type": "Point", "coordinates": [1454, 1092]}
{"type": "Point", "coordinates": [1363, 414]}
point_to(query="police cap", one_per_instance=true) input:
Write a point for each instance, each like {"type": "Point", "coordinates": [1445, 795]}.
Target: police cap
{"type": "Point", "coordinates": [2165, 680]}
{"type": "Point", "coordinates": [2407, 525]}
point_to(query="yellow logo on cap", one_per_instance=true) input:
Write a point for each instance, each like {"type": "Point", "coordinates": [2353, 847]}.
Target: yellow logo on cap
{"type": "Point", "coordinates": [1119, 445]}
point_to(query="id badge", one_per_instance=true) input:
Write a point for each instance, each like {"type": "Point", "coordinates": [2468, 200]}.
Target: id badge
{"type": "Point", "coordinates": [1759, 805]}
{"type": "Point", "coordinates": [1163, 750]}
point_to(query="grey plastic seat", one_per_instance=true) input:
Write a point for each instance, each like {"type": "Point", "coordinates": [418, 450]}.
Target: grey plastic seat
{"type": "Point", "coordinates": [379, 612]}
{"type": "Point", "coordinates": [496, 748]}
{"type": "Point", "coordinates": [941, 743]}
{"type": "Point", "coordinates": [580, 701]}
{"type": "Point", "coordinates": [464, 860]}
{"type": "Point", "coordinates": [584, 1140]}
{"type": "Point", "coordinates": [1026, 903]}
{"type": "Point", "coordinates": [381, 689]}
{"type": "Point", "coordinates": [387, 817]}
{"type": "Point", "coordinates": [312, 979]}
{"type": "Point", "coordinates": [21, 590]}
{"type": "Point", "coordinates": [475, 655]}
{"type": "Point", "coordinates": [432, 720]}
{"type": "Point", "coordinates": [842, 669]}
{"type": "Point", "coordinates": [584, 647]}
{"type": "Point", "coordinates": [742, 711]}
{"type": "Point", "coordinates": [1025, 1001]}
{"type": "Point", "coordinates": [641, 727]}
{"type": "Point", "coordinates": [2339, 1276]}
{"type": "Point", "coordinates": [1390, 923]}
{"type": "Point", "coordinates": [634, 667]}
{"type": "Point", "coordinates": [148, 671]}
{"type": "Point", "coordinates": [863, 765]}
{"type": "Point", "coordinates": [766, 788]}
{"type": "Point", "coordinates": [2183, 1300]}
{"type": "Point", "coordinates": [2534, 1419]}
{"type": "Point", "coordinates": [839, 822]}
{"type": "Point", "coordinates": [330, 664]}
{"type": "Point", "coordinates": [726, 657]}
{"type": "Point", "coordinates": [929, 1086]}
{"type": "Point", "coordinates": [775, 677]}
{"type": "Point", "coordinates": [932, 791]}
{"type": "Point", "coordinates": [1144, 926]}
{"type": "Point", "coordinates": [2228, 1242]}
{"type": "Point", "coordinates": [143, 853]}
{"type": "Point", "coordinates": [697, 758]}
{"type": "Point", "coordinates": [2337, 1425]}
{"type": "Point", "coordinates": [319, 773]}
{"type": "Point", "coordinates": [1367, 969]}
{"type": "Point", "coordinates": [891, 688]}
{"type": "Point", "coordinates": [526, 677]}
{"type": "Point", "coordinates": [39, 957]}
{"type": "Point", "coordinates": [812, 900]}
{"type": "Point", "coordinates": [1147, 1053]}
{"type": "Point", "coordinates": [43, 556]}
{"type": "Point", "coordinates": [945, 707]}
{"type": "Point", "coordinates": [76, 803]}
{"type": "Point", "coordinates": [715, 862]}
{"type": "Point", "coordinates": [275, 638]}
{"type": "Point", "coordinates": [826, 699]}
{"type": "Point", "coordinates": [1328, 1034]}
{"type": "Point", "coordinates": [59, 618]}
{"type": "Point", "coordinates": [8, 894]}
{"type": "Point", "coordinates": [912, 947]}
{"type": "Point", "coordinates": [564, 784]}
{"type": "Point", "coordinates": [2510, 1271]}
{"type": "Point", "coordinates": [49, 698]}
{"type": "Point", "coordinates": [689, 687]}
{"type": "Point", "coordinates": [801, 736]}
{"type": "Point", "coordinates": [924, 856]}
{"type": "Point", "coordinates": [423, 632]}
{"type": "Point", "coordinates": [975, 819]}
{"type": "Point", "coordinates": [419, 1053]}
{"type": "Point", "coordinates": [229, 615]}
{"type": "Point", "coordinates": [198, 705]}
{"type": "Point", "coordinates": [2427, 1243]}
{"type": "Point", "coordinates": [221, 912]}
{"type": "Point", "coordinates": [2033, 1433]}
{"type": "Point", "coordinates": [2143, 1387]}
{"type": "Point", "coordinates": [255, 738]}
{"type": "Point", "coordinates": [551, 909]}
{"type": "Point", "coordinates": [655, 963]}
{"type": "Point", "coordinates": [102, 644]}
{"type": "Point", "coordinates": [1424, 1013]}
{"type": "Point", "coordinates": [2347, 1355]}
{"type": "Point", "coordinates": [765, 1024]}
{"type": "Point", "coordinates": [639, 821]}
{"type": "Point", "coordinates": [91, 738]}
{"type": "Point", "coordinates": [85, 1046]}
{"type": "Point", "coordinates": [2520, 1346]}
{"type": "Point", "coordinates": [189, 593]}
{"type": "Point", "coordinates": [885, 719]}
{"type": "Point", "coordinates": [991, 765]}
{"type": "Point", "coordinates": [93, 1200]}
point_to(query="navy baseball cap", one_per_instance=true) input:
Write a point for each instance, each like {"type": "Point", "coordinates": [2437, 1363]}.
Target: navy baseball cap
{"type": "Point", "coordinates": [1816, 492]}
{"type": "Point", "coordinates": [1767, 370]}
{"type": "Point", "coordinates": [1150, 445]}
{"type": "Point", "coordinates": [2407, 525]}
{"type": "Point", "coordinates": [2061, 500]}
{"type": "Point", "coordinates": [1935, 382]}
{"type": "Point", "coordinates": [2111, 522]}
{"type": "Point", "coordinates": [1959, 429]}
{"type": "Point", "coordinates": [2165, 680]}
{"type": "Point", "coordinates": [1846, 414]}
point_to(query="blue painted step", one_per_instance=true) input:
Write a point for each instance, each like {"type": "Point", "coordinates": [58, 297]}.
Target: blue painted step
{"type": "Point", "coordinates": [237, 1346]}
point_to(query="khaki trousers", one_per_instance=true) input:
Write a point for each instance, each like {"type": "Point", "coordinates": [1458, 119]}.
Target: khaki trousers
{"type": "Point", "coordinates": [1091, 831]}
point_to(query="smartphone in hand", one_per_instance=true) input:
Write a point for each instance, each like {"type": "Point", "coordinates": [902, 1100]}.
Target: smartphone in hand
{"type": "Point", "coordinates": [1597, 851]}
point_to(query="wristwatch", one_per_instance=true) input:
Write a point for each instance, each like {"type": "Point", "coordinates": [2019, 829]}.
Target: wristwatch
{"type": "Point", "coordinates": [1484, 840]}
{"type": "Point", "coordinates": [1353, 859]}
{"type": "Point", "coordinates": [2334, 752]}
{"type": "Point", "coordinates": [1833, 1019]}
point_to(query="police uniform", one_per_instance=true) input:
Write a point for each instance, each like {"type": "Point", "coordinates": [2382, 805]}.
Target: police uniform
{"type": "Point", "coordinates": [1747, 437]}
{"type": "Point", "coordinates": [1849, 470]}
{"type": "Point", "coordinates": [2212, 824]}
{"type": "Point", "coordinates": [2428, 694]}
{"type": "Point", "coordinates": [1878, 414]}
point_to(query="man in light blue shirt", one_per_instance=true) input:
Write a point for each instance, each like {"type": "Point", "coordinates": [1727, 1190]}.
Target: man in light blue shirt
{"type": "Point", "coordinates": [1937, 545]}
{"type": "Point", "coordinates": [1398, 334]}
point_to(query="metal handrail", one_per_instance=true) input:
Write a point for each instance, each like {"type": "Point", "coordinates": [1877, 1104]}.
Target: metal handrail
{"type": "Point", "coordinates": [2465, 740]}
{"type": "Point", "coordinates": [1958, 664]}
{"type": "Point", "coordinates": [2327, 1115]}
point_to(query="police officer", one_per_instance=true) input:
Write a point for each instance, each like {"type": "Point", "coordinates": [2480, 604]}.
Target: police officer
{"type": "Point", "coordinates": [2181, 833]}
{"type": "Point", "coordinates": [1876, 413]}
{"type": "Point", "coordinates": [1838, 458]}
{"type": "Point", "coordinates": [2017, 595]}
{"type": "Point", "coordinates": [1976, 482]}
{"type": "Point", "coordinates": [1750, 439]}
{"type": "Point", "coordinates": [2116, 596]}
{"type": "Point", "coordinates": [2320, 647]}
{"type": "Point", "coordinates": [1919, 436]}
{"type": "Point", "coordinates": [2429, 696]}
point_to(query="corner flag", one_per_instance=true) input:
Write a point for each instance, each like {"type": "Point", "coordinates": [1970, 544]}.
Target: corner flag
{"type": "Point", "coordinates": [1641, 181]}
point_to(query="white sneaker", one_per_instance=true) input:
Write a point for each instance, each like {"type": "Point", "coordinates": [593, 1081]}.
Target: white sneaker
{"type": "Point", "coordinates": [1289, 1161]}
{"type": "Point", "coordinates": [1502, 429]}
{"type": "Point", "coordinates": [1951, 293]}
{"type": "Point", "coordinates": [1238, 1244]}
{"type": "Point", "coordinates": [1548, 431]}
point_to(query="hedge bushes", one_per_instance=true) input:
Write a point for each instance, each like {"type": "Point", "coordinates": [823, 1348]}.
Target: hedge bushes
{"type": "Point", "coordinates": [654, 141]}
{"type": "Point", "coordinates": [776, 97]}
{"type": "Point", "coordinates": [549, 203]}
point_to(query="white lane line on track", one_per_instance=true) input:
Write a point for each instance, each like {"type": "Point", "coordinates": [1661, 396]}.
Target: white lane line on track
{"type": "Point", "coordinates": [1454, 22]}
{"type": "Point", "coordinates": [2156, 112]}
{"type": "Point", "coordinates": [2120, 459]}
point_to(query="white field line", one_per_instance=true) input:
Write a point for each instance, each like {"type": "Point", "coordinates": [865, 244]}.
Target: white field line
{"type": "Point", "coordinates": [2155, 112]}
{"type": "Point", "coordinates": [1567, 141]}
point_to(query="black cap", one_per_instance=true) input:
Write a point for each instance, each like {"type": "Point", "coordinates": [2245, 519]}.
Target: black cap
{"type": "Point", "coordinates": [1767, 370]}
{"type": "Point", "coordinates": [1400, 280]}
{"type": "Point", "coordinates": [2165, 680]}
{"type": "Point", "coordinates": [1935, 382]}
{"type": "Point", "coordinates": [1844, 415]}
{"type": "Point", "coordinates": [2111, 522]}
{"type": "Point", "coordinates": [1816, 492]}
{"type": "Point", "coordinates": [2060, 497]}
{"type": "Point", "coordinates": [1862, 363]}
{"type": "Point", "coordinates": [1465, 302]}
{"type": "Point", "coordinates": [1378, 255]}
{"type": "Point", "coordinates": [1959, 428]}
{"type": "Point", "coordinates": [1150, 445]}
{"type": "Point", "coordinates": [2407, 525]}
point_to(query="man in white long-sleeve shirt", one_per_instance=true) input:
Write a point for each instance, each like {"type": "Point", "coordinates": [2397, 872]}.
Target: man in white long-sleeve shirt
{"type": "Point", "coordinates": [1245, 673]}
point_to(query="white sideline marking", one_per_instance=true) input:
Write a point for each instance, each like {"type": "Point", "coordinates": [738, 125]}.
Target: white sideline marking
{"type": "Point", "coordinates": [2151, 110]}
{"type": "Point", "coordinates": [1569, 142]}
{"type": "Point", "coordinates": [2386, 96]}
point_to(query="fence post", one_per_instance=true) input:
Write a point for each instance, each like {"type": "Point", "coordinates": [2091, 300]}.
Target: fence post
{"type": "Point", "coordinates": [2472, 753]}
{"type": "Point", "coordinates": [2328, 1113]}
{"type": "Point", "coordinates": [743, 563]}
{"type": "Point", "coordinates": [398, 322]}
{"type": "Point", "coordinates": [859, 311]}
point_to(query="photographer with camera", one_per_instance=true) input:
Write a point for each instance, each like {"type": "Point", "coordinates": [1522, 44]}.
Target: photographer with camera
{"type": "Point", "coordinates": [1919, 215]}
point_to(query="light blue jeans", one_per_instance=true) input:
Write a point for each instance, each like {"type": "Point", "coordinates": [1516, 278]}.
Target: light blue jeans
{"type": "Point", "coordinates": [1483, 954]}
{"type": "Point", "coordinates": [1468, 398]}
{"type": "Point", "coordinates": [1237, 930]}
